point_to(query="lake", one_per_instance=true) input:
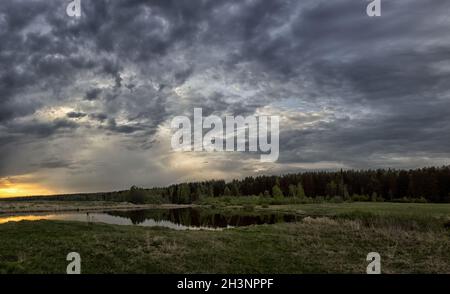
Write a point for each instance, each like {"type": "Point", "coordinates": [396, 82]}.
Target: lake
{"type": "Point", "coordinates": [177, 219]}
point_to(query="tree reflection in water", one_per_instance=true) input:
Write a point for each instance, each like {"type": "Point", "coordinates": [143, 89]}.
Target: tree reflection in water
{"type": "Point", "coordinates": [195, 217]}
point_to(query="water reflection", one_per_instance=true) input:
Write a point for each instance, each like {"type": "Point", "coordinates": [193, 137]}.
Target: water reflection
{"type": "Point", "coordinates": [204, 218]}
{"type": "Point", "coordinates": [178, 219]}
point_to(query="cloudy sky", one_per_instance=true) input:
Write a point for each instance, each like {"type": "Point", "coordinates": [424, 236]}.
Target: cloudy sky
{"type": "Point", "coordinates": [86, 104]}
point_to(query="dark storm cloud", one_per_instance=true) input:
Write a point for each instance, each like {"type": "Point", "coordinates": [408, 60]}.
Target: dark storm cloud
{"type": "Point", "coordinates": [99, 116]}
{"type": "Point", "coordinates": [358, 91]}
{"type": "Point", "coordinates": [93, 94]}
{"type": "Point", "coordinates": [74, 114]}
{"type": "Point", "coordinates": [42, 129]}
{"type": "Point", "coordinates": [55, 163]}
{"type": "Point", "coordinates": [31, 61]}
{"type": "Point", "coordinates": [373, 64]}
{"type": "Point", "coordinates": [126, 129]}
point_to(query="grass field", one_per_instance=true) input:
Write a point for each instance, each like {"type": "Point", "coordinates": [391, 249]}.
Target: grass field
{"type": "Point", "coordinates": [331, 238]}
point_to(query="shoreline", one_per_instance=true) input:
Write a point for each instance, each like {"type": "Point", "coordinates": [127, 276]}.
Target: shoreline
{"type": "Point", "coordinates": [59, 207]}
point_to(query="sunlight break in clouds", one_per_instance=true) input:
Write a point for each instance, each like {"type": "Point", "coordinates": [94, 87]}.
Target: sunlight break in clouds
{"type": "Point", "coordinates": [18, 186]}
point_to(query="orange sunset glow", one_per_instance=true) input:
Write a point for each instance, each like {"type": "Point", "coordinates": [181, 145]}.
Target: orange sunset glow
{"type": "Point", "coordinates": [14, 188]}
{"type": "Point", "coordinates": [19, 218]}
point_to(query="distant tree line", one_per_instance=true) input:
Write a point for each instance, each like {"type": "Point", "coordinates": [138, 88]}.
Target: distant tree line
{"type": "Point", "coordinates": [419, 185]}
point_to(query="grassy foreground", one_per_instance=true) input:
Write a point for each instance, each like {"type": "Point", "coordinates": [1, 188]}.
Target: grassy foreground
{"type": "Point", "coordinates": [336, 239]}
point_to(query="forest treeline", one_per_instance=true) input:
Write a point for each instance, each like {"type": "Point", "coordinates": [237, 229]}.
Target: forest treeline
{"type": "Point", "coordinates": [419, 185]}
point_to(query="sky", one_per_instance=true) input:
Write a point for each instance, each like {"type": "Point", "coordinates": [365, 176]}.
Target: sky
{"type": "Point", "coordinates": [86, 103]}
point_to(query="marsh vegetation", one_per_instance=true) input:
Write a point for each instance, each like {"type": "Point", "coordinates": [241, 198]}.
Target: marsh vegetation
{"type": "Point", "coordinates": [325, 238]}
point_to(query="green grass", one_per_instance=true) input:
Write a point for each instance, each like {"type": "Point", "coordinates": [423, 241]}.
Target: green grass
{"type": "Point", "coordinates": [410, 215]}
{"type": "Point", "coordinates": [334, 238]}
{"type": "Point", "coordinates": [379, 208]}
{"type": "Point", "coordinates": [249, 200]}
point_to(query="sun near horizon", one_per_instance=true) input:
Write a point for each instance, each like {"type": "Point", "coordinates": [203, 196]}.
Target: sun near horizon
{"type": "Point", "coordinates": [9, 189]}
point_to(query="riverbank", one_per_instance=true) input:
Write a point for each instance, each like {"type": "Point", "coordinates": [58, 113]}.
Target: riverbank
{"type": "Point", "coordinates": [21, 207]}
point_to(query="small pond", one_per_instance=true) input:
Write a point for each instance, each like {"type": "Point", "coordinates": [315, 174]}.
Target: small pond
{"type": "Point", "coordinates": [178, 219]}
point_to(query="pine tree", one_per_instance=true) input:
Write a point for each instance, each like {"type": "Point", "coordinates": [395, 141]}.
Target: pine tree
{"type": "Point", "coordinates": [184, 193]}
{"type": "Point", "coordinates": [235, 190]}
{"type": "Point", "coordinates": [331, 188]}
{"type": "Point", "coordinates": [276, 192]}
{"type": "Point", "coordinates": [300, 191]}
{"type": "Point", "coordinates": [227, 191]}
{"type": "Point", "coordinates": [346, 194]}
{"type": "Point", "coordinates": [292, 191]}
{"type": "Point", "coordinates": [374, 197]}
{"type": "Point", "coordinates": [210, 191]}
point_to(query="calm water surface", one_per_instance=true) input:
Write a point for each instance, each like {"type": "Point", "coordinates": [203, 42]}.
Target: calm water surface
{"type": "Point", "coordinates": [178, 219]}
